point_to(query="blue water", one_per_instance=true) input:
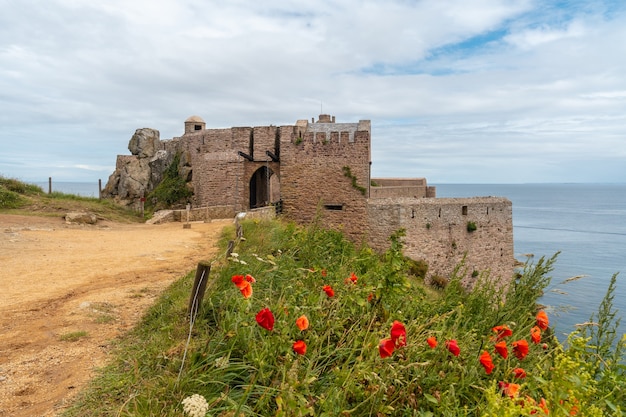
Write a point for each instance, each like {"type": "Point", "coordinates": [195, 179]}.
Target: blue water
{"type": "Point", "coordinates": [586, 223]}
{"type": "Point", "coordinates": [85, 189]}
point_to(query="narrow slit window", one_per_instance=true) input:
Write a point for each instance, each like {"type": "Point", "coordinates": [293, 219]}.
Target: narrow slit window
{"type": "Point", "coordinates": [337, 207]}
{"type": "Point", "coordinates": [464, 210]}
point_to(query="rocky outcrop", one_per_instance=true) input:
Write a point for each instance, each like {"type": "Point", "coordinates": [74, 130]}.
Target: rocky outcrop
{"type": "Point", "coordinates": [136, 175]}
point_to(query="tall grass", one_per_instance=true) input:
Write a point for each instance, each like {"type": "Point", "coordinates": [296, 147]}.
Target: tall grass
{"type": "Point", "coordinates": [242, 369]}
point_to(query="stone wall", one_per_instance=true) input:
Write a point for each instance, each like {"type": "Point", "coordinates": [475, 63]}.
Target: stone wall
{"type": "Point", "coordinates": [437, 232]}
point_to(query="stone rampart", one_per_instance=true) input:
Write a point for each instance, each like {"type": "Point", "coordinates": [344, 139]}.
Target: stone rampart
{"type": "Point", "coordinates": [437, 231]}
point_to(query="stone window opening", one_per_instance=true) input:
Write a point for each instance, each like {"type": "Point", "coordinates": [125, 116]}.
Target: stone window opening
{"type": "Point", "coordinates": [337, 207]}
{"type": "Point", "coordinates": [464, 210]}
{"type": "Point", "coordinates": [197, 127]}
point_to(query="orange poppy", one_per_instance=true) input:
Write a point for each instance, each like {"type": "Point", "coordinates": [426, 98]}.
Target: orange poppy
{"type": "Point", "coordinates": [535, 334]}
{"type": "Point", "coordinates": [328, 290]}
{"type": "Point", "coordinates": [302, 322]}
{"type": "Point", "coordinates": [542, 320]}
{"type": "Point", "coordinates": [386, 347]}
{"type": "Point", "coordinates": [398, 333]}
{"type": "Point", "coordinates": [299, 347]}
{"type": "Point", "coordinates": [246, 289]}
{"type": "Point", "coordinates": [501, 349]}
{"type": "Point", "coordinates": [432, 342]}
{"type": "Point", "coordinates": [265, 319]}
{"type": "Point", "coordinates": [544, 406]}
{"type": "Point", "coordinates": [519, 373]}
{"type": "Point", "coordinates": [520, 349]}
{"type": "Point", "coordinates": [453, 347]}
{"type": "Point", "coordinates": [510, 390]}
{"type": "Point", "coordinates": [502, 331]}
{"type": "Point", "coordinates": [485, 361]}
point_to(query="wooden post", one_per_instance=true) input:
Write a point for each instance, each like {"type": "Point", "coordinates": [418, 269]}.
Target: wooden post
{"type": "Point", "coordinates": [187, 225]}
{"type": "Point", "coordinates": [99, 189]}
{"type": "Point", "coordinates": [199, 287]}
{"type": "Point", "coordinates": [49, 185]}
{"type": "Point", "coordinates": [229, 250]}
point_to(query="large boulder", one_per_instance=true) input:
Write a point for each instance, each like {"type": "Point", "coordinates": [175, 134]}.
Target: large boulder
{"type": "Point", "coordinates": [80, 218]}
{"type": "Point", "coordinates": [145, 143]}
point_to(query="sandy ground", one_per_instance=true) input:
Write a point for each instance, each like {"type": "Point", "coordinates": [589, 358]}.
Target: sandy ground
{"type": "Point", "coordinates": [58, 279]}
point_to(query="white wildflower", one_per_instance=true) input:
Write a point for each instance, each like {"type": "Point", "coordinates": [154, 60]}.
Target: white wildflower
{"type": "Point", "coordinates": [243, 262]}
{"type": "Point", "coordinates": [222, 362]}
{"type": "Point", "coordinates": [234, 254]}
{"type": "Point", "coordinates": [195, 406]}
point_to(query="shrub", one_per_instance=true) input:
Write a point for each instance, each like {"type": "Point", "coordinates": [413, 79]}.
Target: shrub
{"type": "Point", "coordinates": [471, 226]}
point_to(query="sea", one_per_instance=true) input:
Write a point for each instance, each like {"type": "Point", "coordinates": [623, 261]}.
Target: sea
{"type": "Point", "coordinates": [584, 223]}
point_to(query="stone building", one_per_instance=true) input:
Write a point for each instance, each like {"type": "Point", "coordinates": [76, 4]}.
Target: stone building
{"type": "Point", "coordinates": [320, 170]}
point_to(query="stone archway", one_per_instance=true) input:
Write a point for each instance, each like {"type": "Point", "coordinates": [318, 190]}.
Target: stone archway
{"type": "Point", "coordinates": [264, 187]}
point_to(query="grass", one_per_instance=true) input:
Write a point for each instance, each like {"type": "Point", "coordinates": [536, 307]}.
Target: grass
{"type": "Point", "coordinates": [17, 197]}
{"type": "Point", "coordinates": [73, 336]}
{"type": "Point", "coordinates": [241, 368]}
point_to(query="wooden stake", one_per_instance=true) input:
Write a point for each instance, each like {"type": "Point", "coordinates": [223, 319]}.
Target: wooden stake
{"type": "Point", "coordinates": [199, 287]}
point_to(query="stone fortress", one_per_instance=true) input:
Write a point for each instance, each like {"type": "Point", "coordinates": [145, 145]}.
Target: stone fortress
{"type": "Point", "coordinates": [320, 171]}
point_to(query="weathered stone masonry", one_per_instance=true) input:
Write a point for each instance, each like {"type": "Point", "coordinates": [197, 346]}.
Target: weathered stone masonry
{"type": "Point", "coordinates": [320, 171]}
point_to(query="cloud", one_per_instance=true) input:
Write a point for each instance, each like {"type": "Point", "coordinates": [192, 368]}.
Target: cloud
{"type": "Point", "coordinates": [456, 90]}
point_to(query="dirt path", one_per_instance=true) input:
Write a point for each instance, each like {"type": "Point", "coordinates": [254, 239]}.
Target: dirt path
{"type": "Point", "coordinates": [57, 280]}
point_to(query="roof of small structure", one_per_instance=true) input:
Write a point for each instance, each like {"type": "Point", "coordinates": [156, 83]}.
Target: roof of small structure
{"type": "Point", "coordinates": [194, 119]}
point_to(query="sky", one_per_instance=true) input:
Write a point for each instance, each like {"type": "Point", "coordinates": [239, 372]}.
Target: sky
{"type": "Point", "coordinates": [457, 91]}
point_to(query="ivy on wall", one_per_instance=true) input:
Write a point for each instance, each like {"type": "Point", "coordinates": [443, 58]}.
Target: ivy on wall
{"type": "Point", "coordinates": [348, 174]}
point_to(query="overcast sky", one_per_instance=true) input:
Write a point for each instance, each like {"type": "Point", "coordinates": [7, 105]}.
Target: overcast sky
{"type": "Point", "coordinates": [458, 91]}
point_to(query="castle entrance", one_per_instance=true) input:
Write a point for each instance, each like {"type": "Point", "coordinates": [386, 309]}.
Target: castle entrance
{"type": "Point", "coordinates": [264, 188]}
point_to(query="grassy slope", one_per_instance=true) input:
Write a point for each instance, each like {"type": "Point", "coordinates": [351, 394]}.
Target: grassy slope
{"type": "Point", "coordinates": [24, 199]}
{"type": "Point", "coordinates": [242, 369]}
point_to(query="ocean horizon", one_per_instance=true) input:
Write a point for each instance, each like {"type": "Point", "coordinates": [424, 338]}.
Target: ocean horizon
{"type": "Point", "coordinates": [584, 223]}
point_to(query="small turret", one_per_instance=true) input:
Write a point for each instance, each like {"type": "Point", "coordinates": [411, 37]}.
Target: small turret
{"type": "Point", "coordinates": [194, 124]}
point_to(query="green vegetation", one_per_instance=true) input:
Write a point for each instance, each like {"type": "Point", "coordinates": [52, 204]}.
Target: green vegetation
{"type": "Point", "coordinates": [73, 336]}
{"type": "Point", "coordinates": [471, 226]}
{"type": "Point", "coordinates": [172, 190]}
{"type": "Point", "coordinates": [17, 197]}
{"type": "Point", "coordinates": [347, 172]}
{"type": "Point", "coordinates": [348, 362]}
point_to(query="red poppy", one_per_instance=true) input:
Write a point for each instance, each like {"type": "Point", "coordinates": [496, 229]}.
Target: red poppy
{"type": "Point", "coordinates": [324, 273]}
{"type": "Point", "coordinates": [299, 347]}
{"type": "Point", "coordinates": [453, 347]}
{"type": "Point", "coordinates": [520, 349]}
{"type": "Point", "coordinates": [246, 289]}
{"type": "Point", "coordinates": [250, 279]}
{"type": "Point", "coordinates": [502, 349]}
{"type": "Point", "coordinates": [432, 342]}
{"type": "Point", "coordinates": [519, 373]}
{"type": "Point", "coordinates": [328, 290]}
{"type": "Point", "coordinates": [535, 334]}
{"type": "Point", "coordinates": [302, 322]}
{"type": "Point", "coordinates": [398, 333]}
{"type": "Point", "coordinates": [353, 278]}
{"type": "Point", "coordinates": [237, 280]}
{"type": "Point", "coordinates": [485, 361]}
{"type": "Point", "coordinates": [386, 347]}
{"type": "Point", "coordinates": [542, 320]}
{"type": "Point", "coordinates": [265, 318]}
{"type": "Point", "coordinates": [502, 331]}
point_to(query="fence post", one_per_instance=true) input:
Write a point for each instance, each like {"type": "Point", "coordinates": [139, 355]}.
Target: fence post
{"type": "Point", "coordinates": [199, 287]}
